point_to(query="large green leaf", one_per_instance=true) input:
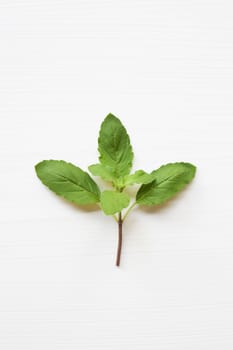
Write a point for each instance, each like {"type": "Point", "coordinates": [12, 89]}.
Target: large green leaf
{"type": "Point", "coordinates": [113, 202]}
{"type": "Point", "coordinates": [103, 171]}
{"type": "Point", "coordinates": [114, 146]}
{"type": "Point", "coordinates": [68, 181]}
{"type": "Point", "coordinates": [168, 180]}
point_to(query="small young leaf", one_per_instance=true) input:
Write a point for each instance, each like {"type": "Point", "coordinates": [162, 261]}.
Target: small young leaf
{"type": "Point", "coordinates": [168, 180]}
{"type": "Point", "coordinates": [68, 181]}
{"type": "Point", "coordinates": [114, 146]}
{"type": "Point", "coordinates": [113, 202]}
{"type": "Point", "coordinates": [103, 171]}
{"type": "Point", "coordinates": [139, 177]}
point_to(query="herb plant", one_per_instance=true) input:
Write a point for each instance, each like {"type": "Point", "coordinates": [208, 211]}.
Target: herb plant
{"type": "Point", "coordinates": [115, 163]}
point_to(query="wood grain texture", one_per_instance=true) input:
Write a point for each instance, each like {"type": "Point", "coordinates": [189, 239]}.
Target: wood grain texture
{"type": "Point", "coordinates": [165, 68]}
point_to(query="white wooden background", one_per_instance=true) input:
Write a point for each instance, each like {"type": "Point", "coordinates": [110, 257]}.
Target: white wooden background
{"type": "Point", "coordinates": [165, 67]}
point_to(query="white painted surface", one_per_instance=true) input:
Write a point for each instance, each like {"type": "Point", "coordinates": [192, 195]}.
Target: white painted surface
{"type": "Point", "coordinates": [166, 69]}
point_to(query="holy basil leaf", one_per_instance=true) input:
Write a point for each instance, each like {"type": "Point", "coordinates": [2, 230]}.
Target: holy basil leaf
{"type": "Point", "coordinates": [113, 202]}
{"type": "Point", "coordinates": [168, 180]}
{"type": "Point", "coordinates": [103, 171]}
{"type": "Point", "coordinates": [114, 146]}
{"type": "Point", "coordinates": [139, 177]}
{"type": "Point", "coordinates": [68, 181]}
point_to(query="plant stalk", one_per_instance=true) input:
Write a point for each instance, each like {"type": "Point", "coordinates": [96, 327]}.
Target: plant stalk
{"type": "Point", "coordinates": [118, 257]}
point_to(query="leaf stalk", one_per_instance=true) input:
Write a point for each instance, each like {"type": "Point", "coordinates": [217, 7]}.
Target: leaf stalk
{"type": "Point", "coordinates": [129, 210]}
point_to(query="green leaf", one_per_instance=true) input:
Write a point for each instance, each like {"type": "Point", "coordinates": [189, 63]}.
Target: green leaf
{"type": "Point", "coordinates": [68, 181]}
{"type": "Point", "coordinates": [114, 146]}
{"type": "Point", "coordinates": [168, 180]}
{"type": "Point", "coordinates": [113, 202]}
{"type": "Point", "coordinates": [103, 171]}
{"type": "Point", "coordinates": [139, 177]}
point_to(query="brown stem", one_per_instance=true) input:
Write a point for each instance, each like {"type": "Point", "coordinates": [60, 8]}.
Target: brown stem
{"type": "Point", "coordinates": [120, 223]}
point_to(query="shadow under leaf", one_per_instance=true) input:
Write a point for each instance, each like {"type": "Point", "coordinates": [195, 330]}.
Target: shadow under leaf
{"type": "Point", "coordinates": [88, 208]}
{"type": "Point", "coordinates": [151, 209]}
